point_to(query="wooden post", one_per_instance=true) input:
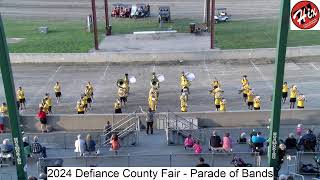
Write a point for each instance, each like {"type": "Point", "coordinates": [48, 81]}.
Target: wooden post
{"type": "Point", "coordinates": [106, 13]}
{"type": "Point", "coordinates": [94, 19]}
{"type": "Point", "coordinates": [213, 3]}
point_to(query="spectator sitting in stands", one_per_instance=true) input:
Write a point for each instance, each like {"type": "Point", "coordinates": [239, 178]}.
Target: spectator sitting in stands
{"type": "Point", "coordinates": [2, 118]}
{"type": "Point", "coordinates": [253, 133]}
{"type": "Point", "coordinates": [188, 142]}
{"type": "Point", "coordinates": [243, 139]}
{"type": "Point", "coordinates": [291, 142]}
{"type": "Point", "coordinates": [308, 141]}
{"type": "Point", "coordinates": [299, 130]}
{"type": "Point", "coordinates": [80, 145]}
{"type": "Point", "coordinates": [227, 143]}
{"type": "Point", "coordinates": [215, 141]}
{"type": "Point", "coordinates": [197, 147]}
{"type": "Point", "coordinates": [258, 141]}
{"type": "Point", "coordinates": [115, 143]}
{"type": "Point", "coordinates": [5, 147]}
{"type": "Point", "coordinates": [281, 153]}
{"type": "Point", "coordinates": [91, 144]}
{"type": "Point", "coordinates": [26, 146]}
{"type": "Point", "coordinates": [36, 148]}
{"type": "Point", "coordinates": [32, 178]}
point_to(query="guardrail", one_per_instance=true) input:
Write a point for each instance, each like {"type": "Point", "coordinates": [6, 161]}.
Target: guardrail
{"type": "Point", "coordinates": [6, 176]}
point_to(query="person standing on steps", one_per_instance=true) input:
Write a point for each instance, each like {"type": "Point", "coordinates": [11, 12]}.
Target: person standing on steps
{"type": "Point", "coordinates": [149, 118]}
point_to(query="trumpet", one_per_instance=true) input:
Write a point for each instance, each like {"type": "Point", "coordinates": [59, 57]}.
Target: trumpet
{"type": "Point", "coordinates": [154, 83]}
{"type": "Point", "coordinates": [120, 83]}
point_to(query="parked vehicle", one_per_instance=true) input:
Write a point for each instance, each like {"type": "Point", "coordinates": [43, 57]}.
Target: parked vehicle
{"type": "Point", "coordinates": [221, 15]}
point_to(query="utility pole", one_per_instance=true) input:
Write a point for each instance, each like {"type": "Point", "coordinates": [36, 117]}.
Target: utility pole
{"type": "Point", "coordinates": [94, 19]}
{"type": "Point", "coordinates": [213, 3]}
{"type": "Point", "coordinates": [273, 155]}
{"type": "Point", "coordinates": [11, 99]}
{"type": "Point", "coordinates": [106, 15]}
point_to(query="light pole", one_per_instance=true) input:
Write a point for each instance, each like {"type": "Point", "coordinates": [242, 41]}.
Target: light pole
{"type": "Point", "coordinates": [273, 156]}
{"type": "Point", "coordinates": [11, 99]}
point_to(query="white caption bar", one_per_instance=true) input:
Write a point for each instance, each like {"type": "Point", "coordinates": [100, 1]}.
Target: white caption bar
{"type": "Point", "coordinates": [160, 173]}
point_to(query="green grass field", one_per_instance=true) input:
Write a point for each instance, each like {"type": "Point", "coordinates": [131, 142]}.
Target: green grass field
{"type": "Point", "coordinates": [71, 37]}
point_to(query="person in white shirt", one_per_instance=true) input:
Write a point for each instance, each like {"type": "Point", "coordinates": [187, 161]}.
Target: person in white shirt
{"type": "Point", "coordinates": [79, 145]}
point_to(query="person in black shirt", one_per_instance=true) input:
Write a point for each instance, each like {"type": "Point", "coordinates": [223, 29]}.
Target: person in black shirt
{"type": "Point", "coordinates": [291, 142]}
{"type": "Point", "coordinates": [201, 163]}
{"type": "Point", "coordinates": [215, 141]}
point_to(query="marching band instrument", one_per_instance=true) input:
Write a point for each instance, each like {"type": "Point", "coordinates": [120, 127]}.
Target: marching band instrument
{"type": "Point", "coordinates": [132, 80]}
{"type": "Point", "coordinates": [120, 83]}
{"type": "Point", "coordinates": [161, 77]}
{"type": "Point", "coordinates": [190, 76]}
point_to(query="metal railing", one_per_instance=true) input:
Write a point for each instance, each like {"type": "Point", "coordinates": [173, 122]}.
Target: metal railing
{"type": "Point", "coordinates": [182, 126]}
{"type": "Point", "coordinates": [307, 158]}
{"type": "Point", "coordinates": [124, 127]}
{"type": "Point", "coordinates": [6, 176]}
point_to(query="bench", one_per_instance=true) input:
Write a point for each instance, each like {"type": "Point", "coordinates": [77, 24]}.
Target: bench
{"type": "Point", "coordinates": [154, 34]}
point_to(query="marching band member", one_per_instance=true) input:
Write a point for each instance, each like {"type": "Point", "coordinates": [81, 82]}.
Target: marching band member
{"type": "Point", "coordinates": [215, 84]}
{"type": "Point", "coordinates": [117, 107]}
{"type": "Point", "coordinates": [217, 99]}
{"type": "Point", "coordinates": [153, 101]}
{"type": "Point", "coordinates": [126, 83]}
{"type": "Point", "coordinates": [293, 96]}
{"type": "Point", "coordinates": [21, 98]}
{"type": "Point", "coordinates": [184, 82]}
{"type": "Point", "coordinates": [184, 102]}
{"type": "Point", "coordinates": [4, 108]}
{"type": "Point", "coordinates": [57, 91]}
{"type": "Point", "coordinates": [285, 90]}
{"type": "Point", "coordinates": [223, 105]}
{"type": "Point", "coordinates": [88, 94]}
{"type": "Point", "coordinates": [84, 101]}
{"type": "Point", "coordinates": [301, 100]}
{"type": "Point", "coordinates": [245, 90]}
{"type": "Point", "coordinates": [122, 93]}
{"type": "Point", "coordinates": [154, 90]}
{"type": "Point", "coordinates": [256, 103]}
{"type": "Point", "coordinates": [250, 97]}
{"type": "Point", "coordinates": [48, 102]}
{"type": "Point", "coordinates": [154, 81]}
{"type": "Point", "coordinates": [80, 108]}
{"type": "Point", "coordinates": [244, 80]}
{"type": "Point", "coordinates": [44, 105]}
{"type": "Point", "coordinates": [91, 89]}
